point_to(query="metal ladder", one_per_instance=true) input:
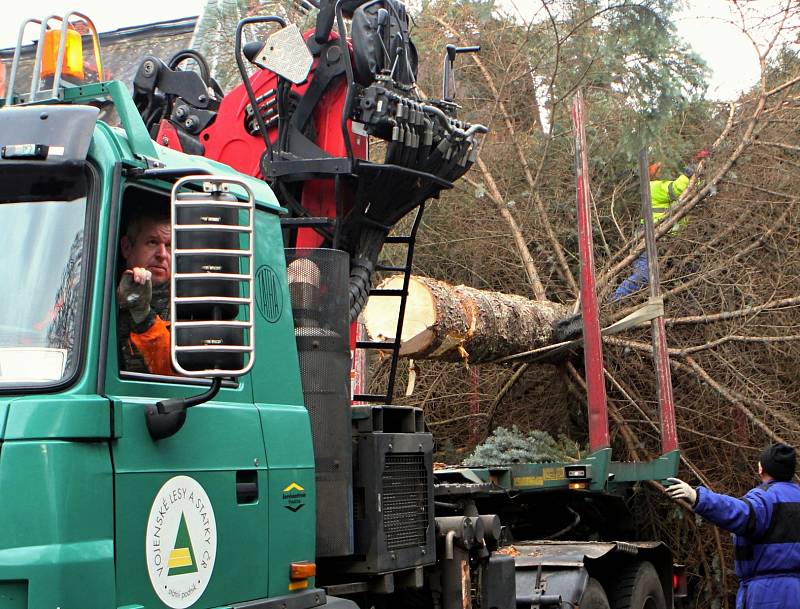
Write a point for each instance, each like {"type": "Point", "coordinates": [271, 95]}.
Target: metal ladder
{"type": "Point", "coordinates": [402, 293]}
{"type": "Point", "coordinates": [219, 195]}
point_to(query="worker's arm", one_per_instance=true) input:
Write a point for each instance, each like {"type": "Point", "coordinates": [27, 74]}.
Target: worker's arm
{"type": "Point", "coordinates": [149, 333]}
{"type": "Point", "coordinates": [679, 184]}
{"type": "Point", "coordinates": [749, 516]}
{"type": "Point", "coordinates": [665, 192]}
{"type": "Point", "coordinates": [153, 343]}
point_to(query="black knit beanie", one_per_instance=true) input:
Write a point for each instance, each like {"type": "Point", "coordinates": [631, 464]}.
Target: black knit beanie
{"type": "Point", "coordinates": [779, 461]}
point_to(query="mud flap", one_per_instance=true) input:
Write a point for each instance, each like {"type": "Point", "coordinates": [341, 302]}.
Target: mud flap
{"type": "Point", "coordinates": [497, 583]}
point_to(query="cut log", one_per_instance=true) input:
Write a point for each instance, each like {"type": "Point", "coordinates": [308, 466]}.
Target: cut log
{"type": "Point", "coordinates": [454, 323]}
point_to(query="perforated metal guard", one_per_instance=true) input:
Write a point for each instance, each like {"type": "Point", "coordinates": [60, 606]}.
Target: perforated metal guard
{"type": "Point", "coordinates": [318, 285]}
{"type": "Point", "coordinates": [405, 500]}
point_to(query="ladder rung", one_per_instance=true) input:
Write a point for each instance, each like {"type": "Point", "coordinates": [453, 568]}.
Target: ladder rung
{"type": "Point", "coordinates": [212, 324]}
{"type": "Point", "coordinates": [370, 397]}
{"type": "Point", "coordinates": [386, 292]}
{"type": "Point", "coordinates": [375, 344]}
{"type": "Point", "coordinates": [213, 252]}
{"type": "Point", "coordinates": [211, 300]}
{"type": "Point", "coordinates": [230, 228]}
{"type": "Point", "coordinates": [311, 221]}
{"type": "Point", "coordinates": [205, 202]}
{"type": "Point", "coordinates": [201, 348]}
{"type": "Point", "coordinates": [230, 276]}
{"type": "Point", "coordinates": [398, 239]}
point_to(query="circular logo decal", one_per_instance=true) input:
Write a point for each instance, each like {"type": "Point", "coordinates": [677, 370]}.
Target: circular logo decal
{"type": "Point", "coordinates": [269, 296]}
{"type": "Point", "coordinates": [181, 542]}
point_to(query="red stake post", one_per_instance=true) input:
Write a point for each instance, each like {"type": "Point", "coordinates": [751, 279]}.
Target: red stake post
{"type": "Point", "coordinates": [592, 343]}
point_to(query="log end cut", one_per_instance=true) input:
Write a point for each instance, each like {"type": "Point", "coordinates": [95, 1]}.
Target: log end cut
{"type": "Point", "coordinates": [381, 314]}
{"type": "Point", "coordinates": [456, 323]}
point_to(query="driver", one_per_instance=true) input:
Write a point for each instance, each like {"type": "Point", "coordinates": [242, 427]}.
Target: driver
{"type": "Point", "coordinates": [143, 292]}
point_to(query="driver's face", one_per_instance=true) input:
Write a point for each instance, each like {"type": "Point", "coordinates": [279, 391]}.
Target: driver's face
{"type": "Point", "coordinates": [150, 249]}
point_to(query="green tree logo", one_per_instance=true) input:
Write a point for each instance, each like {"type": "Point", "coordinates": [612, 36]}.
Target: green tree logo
{"type": "Point", "coordinates": [181, 559]}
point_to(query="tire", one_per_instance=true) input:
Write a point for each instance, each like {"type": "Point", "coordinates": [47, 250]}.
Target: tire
{"type": "Point", "coordinates": [638, 587]}
{"type": "Point", "coordinates": [594, 597]}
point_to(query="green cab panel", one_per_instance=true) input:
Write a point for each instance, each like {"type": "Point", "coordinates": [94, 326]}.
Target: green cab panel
{"type": "Point", "coordinates": [57, 546]}
{"type": "Point", "coordinates": [226, 550]}
{"type": "Point", "coordinates": [222, 434]}
{"type": "Point", "coordinates": [278, 395]}
{"type": "Point", "coordinates": [192, 505]}
{"type": "Point", "coordinates": [276, 371]}
{"type": "Point", "coordinates": [67, 416]}
{"type": "Point", "coordinates": [14, 594]}
{"type": "Point", "coordinates": [291, 492]}
{"type": "Point", "coordinates": [247, 454]}
{"type": "Point", "coordinates": [3, 418]}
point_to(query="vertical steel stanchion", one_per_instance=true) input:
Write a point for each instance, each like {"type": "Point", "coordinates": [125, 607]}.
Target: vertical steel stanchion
{"type": "Point", "coordinates": [592, 342]}
{"type": "Point", "coordinates": [666, 406]}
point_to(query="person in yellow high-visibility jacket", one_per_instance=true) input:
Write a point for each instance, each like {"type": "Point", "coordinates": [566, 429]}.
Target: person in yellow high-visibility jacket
{"type": "Point", "coordinates": [663, 193]}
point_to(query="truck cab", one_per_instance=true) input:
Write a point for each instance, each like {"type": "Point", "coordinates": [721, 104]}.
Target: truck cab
{"type": "Point", "coordinates": [95, 512]}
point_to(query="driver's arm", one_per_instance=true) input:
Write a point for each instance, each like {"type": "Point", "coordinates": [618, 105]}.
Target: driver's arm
{"type": "Point", "coordinates": [149, 335]}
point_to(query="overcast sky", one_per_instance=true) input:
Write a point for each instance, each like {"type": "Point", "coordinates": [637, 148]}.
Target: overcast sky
{"type": "Point", "coordinates": [106, 14]}
{"type": "Point", "coordinates": [730, 56]}
{"type": "Point", "coordinates": [708, 26]}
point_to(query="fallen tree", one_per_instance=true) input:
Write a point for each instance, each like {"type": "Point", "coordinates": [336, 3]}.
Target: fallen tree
{"type": "Point", "coordinates": [455, 323]}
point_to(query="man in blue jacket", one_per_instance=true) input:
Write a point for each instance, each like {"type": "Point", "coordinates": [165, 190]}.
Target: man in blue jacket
{"type": "Point", "coordinates": [766, 527]}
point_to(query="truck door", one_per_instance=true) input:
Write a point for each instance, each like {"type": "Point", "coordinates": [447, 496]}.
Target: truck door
{"type": "Point", "coordinates": [189, 512]}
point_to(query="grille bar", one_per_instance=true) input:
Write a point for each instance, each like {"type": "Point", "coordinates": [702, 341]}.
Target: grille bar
{"type": "Point", "coordinates": [405, 500]}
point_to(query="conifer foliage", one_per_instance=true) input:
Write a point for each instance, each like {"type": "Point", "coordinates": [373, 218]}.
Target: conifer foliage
{"type": "Point", "coordinates": [507, 446]}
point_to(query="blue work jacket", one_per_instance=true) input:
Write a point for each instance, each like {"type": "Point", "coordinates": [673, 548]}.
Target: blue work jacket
{"type": "Point", "coordinates": [766, 527]}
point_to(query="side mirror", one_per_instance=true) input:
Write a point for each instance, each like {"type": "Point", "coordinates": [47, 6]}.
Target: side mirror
{"type": "Point", "coordinates": [211, 290]}
{"type": "Point", "coordinates": [211, 296]}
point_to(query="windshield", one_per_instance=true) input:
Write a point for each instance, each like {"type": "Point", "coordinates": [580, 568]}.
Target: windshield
{"type": "Point", "coordinates": [41, 255]}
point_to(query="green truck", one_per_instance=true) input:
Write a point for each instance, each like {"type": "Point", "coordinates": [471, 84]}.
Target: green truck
{"type": "Point", "coordinates": [249, 480]}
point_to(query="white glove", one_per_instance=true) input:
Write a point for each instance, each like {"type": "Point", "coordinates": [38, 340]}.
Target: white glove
{"type": "Point", "coordinates": [681, 490]}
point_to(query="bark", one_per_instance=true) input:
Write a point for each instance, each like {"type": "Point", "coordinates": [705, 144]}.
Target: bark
{"type": "Point", "coordinates": [455, 323]}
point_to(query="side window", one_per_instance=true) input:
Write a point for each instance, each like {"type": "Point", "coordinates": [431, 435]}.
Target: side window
{"type": "Point", "coordinates": [45, 229]}
{"type": "Point", "coordinates": [143, 283]}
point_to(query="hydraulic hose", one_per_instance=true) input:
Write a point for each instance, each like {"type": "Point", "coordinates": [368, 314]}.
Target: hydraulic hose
{"type": "Point", "coordinates": [362, 265]}
{"type": "Point", "coordinates": [444, 121]}
{"type": "Point", "coordinates": [360, 281]}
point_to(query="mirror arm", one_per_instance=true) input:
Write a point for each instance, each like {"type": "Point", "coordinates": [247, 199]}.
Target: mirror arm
{"type": "Point", "coordinates": [165, 418]}
{"type": "Point", "coordinates": [175, 404]}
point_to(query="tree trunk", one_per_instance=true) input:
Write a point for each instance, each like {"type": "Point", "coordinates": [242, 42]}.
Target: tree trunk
{"type": "Point", "coordinates": [455, 323]}
{"type": "Point", "coordinates": [214, 36]}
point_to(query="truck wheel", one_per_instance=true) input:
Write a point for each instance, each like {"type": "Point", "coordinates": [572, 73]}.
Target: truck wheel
{"type": "Point", "coordinates": [594, 597]}
{"type": "Point", "coordinates": [638, 588]}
